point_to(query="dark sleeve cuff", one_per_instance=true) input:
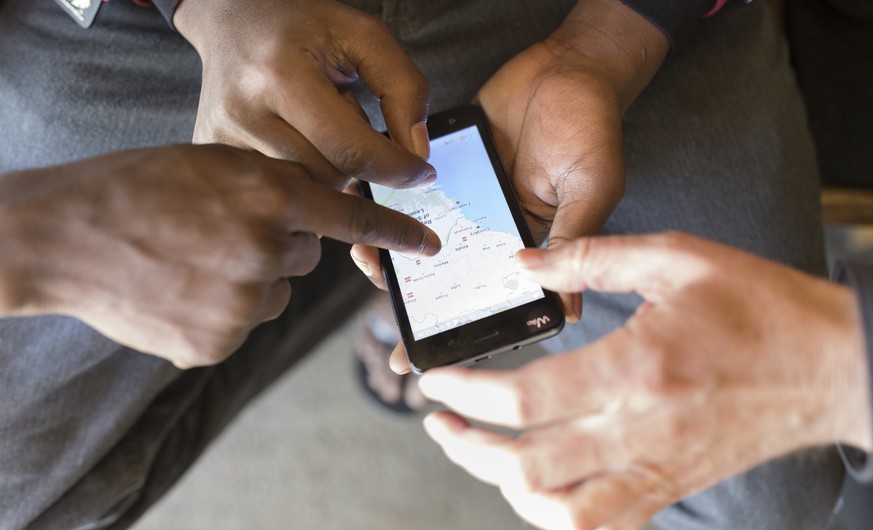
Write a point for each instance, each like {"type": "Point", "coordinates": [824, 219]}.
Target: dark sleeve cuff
{"type": "Point", "coordinates": [167, 8]}
{"type": "Point", "coordinates": [859, 276]}
{"type": "Point", "coordinates": [675, 18]}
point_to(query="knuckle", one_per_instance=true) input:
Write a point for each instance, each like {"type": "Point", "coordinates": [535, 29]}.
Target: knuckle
{"type": "Point", "coordinates": [257, 253]}
{"type": "Point", "coordinates": [241, 306]}
{"type": "Point", "coordinates": [364, 223]}
{"type": "Point", "coordinates": [415, 86]}
{"type": "Point", "coordinates": [312, 252]}
{"type": "Point", "coordinates": [301, 255]}
{"type": "Point", "coordinates": [265, 76]}
{"type": "Point", "coordinates": [267, 195]}
{"type": "Point", "coordinates": [407, 235]}
{"type": "Point", "coordinates": [353, 159]}
{"type": "Point", "coordinates": [273, 199]}
{"type": "Point", "coordinates": [420, 85]}
{"type": "Point", "coordinates": [281, 298]}
{"type": "Point", "coordinates": [580, 251]}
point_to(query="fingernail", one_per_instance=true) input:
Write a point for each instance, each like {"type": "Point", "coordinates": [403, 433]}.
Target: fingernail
{"type": "Point", "coordinates": [420, 140]}
{"type": "Point", "coordinates": [398, 369]}
{"type": "Point", "coordinates": [431, 244]}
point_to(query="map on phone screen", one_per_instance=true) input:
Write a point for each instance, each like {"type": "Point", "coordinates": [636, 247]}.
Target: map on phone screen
{"type": "Point", "coordinates": [474, 275]}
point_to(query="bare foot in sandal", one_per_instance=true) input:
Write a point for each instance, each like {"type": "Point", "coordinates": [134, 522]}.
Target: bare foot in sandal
{"type": "Point", "coordinates": [374, 344]}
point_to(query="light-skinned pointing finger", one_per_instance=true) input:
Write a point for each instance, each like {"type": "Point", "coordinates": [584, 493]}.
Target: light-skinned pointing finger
{"type": "Point", "coordinates": [650, 265]}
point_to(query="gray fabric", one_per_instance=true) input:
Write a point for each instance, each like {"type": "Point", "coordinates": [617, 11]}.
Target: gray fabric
{"type": "Point", "coordinates": [92, 433]}
{"type": "Point", "coordinates": [856, 510]}
{"type": "Point", "coordinates": [677, 19]}
{"type": "Point", "coordinates": [832, 52]}
{"type": "Point", "coordinates": [69, 93]}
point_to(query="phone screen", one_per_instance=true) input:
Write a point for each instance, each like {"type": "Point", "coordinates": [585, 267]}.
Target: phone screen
{"type": "Point", "coordinates": [474, 276]}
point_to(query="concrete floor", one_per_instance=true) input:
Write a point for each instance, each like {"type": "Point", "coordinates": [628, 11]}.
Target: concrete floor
{"type": "Point", "coordinates": [309, 453]}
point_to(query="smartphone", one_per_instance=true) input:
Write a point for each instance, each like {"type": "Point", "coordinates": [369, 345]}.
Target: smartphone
{"type": "Point", "coordinates": [470, 301]}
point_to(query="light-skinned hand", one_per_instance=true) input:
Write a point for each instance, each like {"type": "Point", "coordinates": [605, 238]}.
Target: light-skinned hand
{"type": "Point", "coordinates": [731, 360]}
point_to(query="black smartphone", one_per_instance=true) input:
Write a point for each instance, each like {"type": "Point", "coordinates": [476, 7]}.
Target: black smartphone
{"type": "Point", "coordinates": [470, 301]}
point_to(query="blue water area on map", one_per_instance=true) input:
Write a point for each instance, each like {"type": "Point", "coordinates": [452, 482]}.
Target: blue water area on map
{"type": "Point", "coordinates": [464, 173]}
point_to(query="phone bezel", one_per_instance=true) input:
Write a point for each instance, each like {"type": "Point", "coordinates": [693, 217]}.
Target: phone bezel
{"type": "Point", "coordinates": [504, 331]}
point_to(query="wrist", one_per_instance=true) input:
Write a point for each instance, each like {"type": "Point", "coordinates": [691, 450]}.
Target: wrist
{"type": "Point", "coordinates": [850, 380]}
{"type": "Point", "coordinates": [852, 386]}
{"type": "Point", "coordinates": [834, 396]}
{"type": "Point", "coordinates": [614, 40]}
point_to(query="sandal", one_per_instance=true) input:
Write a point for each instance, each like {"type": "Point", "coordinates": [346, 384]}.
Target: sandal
{"type": "Point", "coordinates": [397, 394]}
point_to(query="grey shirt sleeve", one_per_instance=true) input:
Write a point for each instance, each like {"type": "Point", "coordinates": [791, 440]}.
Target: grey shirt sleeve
{"type": "Point", "coordinates": [675, 18]}
{"type": "Point", "coordinates": [859, 276]}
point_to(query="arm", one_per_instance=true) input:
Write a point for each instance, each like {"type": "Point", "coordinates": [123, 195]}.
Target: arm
{"type": "Point", "coordinates": [178, 251]}
{"type": "Point", "coordinates": [556, 108]}
{"type": "Point", "coordinates": [555, 111]}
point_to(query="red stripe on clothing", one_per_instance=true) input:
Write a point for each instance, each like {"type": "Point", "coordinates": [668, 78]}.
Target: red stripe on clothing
{"type": "Point", "coordinates": [718, 5]}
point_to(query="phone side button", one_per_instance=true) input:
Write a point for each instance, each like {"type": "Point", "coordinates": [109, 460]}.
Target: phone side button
{"type": "Point", "coordinates": [486, 337]}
